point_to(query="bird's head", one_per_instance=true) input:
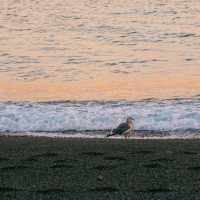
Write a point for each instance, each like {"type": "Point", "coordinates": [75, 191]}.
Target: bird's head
{"type": "Point", "coordinates": [130, 120]}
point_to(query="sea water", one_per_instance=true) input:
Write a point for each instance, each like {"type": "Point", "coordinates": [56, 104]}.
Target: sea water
{"type": "Point", "coordinates": [99, 50]}
{"type": "Point", "coordinates": [153, 118]}
{"type": "Point", "coordinates": [93, 63]}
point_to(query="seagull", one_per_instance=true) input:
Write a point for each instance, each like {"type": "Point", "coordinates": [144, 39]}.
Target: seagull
{"type": "Point", "coordinates": [124, 128]}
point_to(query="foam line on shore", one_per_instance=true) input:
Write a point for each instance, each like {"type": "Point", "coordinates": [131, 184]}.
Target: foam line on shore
{"type": "Point", "coordinates": [100, 136]}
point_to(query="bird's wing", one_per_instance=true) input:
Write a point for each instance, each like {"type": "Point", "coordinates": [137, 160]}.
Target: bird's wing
{"type": "Point", "coordinates": [121, 128]}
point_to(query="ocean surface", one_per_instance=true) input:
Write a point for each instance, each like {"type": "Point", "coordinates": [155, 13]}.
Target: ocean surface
{"type": "Point", "coordinates": [99, 50]}
{"type": "Point", "coordinates": [93, 63]}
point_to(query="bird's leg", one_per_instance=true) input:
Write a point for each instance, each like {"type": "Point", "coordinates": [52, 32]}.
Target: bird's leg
{"type": "Point", "coordinates": [127, 135]}
{"type": "Point", "coordinates": [133, 132]}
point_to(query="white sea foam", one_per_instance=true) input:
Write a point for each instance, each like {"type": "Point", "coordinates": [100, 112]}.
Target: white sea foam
{"type": "Point", "coordinates": [100, 136]}
{"type": "Point", "coordinates": [180, 117]}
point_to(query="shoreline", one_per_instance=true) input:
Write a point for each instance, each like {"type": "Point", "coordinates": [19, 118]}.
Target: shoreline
{"type": "Point", "coordinates": [97, 137]}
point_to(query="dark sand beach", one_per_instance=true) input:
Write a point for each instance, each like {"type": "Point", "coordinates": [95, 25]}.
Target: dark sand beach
{"type": "Point", "coordinates": [50, 168]}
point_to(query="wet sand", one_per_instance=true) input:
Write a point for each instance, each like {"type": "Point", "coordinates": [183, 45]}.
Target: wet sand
{"type": "Point", "coordinates": [49, 168]}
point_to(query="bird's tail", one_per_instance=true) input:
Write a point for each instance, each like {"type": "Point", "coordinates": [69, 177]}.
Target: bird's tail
{"type": "Point", "coordinates": [111, 133]}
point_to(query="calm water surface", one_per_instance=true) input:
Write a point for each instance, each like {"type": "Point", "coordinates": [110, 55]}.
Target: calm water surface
{"type": "Point", "coordinates": [99, 50]}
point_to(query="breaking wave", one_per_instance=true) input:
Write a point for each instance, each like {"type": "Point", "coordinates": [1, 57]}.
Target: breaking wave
{"type": "Point", "coordinates": [168, 117]}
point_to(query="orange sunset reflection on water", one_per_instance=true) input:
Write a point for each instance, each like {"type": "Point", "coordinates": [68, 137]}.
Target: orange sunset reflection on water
{"type": "Point", "coordinates": [136, 88]}
{"type": "Point", "coordinates": [99, 50]}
